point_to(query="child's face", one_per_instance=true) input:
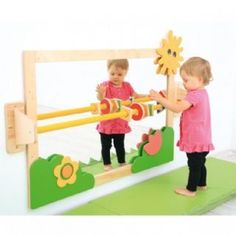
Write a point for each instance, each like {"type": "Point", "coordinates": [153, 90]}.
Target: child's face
{"type": "Point", "coordinates": [191, 82]}
{"type": "Point", "coordinates": [116, 75]}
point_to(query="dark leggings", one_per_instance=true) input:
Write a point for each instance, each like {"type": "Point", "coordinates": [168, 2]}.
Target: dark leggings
{"type": "Point", "coordinates": [106, 141]}
{"type": "Point", "coordinates": [197, 170]}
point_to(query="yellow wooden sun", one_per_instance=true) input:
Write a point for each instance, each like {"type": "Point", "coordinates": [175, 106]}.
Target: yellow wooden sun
{"type": "Point", "coordinates": [169, 55]}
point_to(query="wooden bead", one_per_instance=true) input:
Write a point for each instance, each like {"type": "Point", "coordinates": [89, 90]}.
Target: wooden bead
{"type": "Point", "coordinates": [140, 109]}
{"type": "Point", "coordinates": [108, 104]}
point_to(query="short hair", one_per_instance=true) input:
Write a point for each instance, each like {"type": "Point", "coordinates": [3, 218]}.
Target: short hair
{"type": "Point", "coordinates": [121, 63]}
{"type": "Point", "coordinates": [197, 66]}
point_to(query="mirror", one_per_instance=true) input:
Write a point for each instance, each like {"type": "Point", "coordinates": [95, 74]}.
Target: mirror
{"type": "Point", "coordinates": [65, 85]}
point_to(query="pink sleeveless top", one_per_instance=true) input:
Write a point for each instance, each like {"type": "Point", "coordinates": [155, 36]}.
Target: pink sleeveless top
{"type": "Point", "coordinates": [116, 126]}
{"type": "Point", "coordinates": [195, 124]}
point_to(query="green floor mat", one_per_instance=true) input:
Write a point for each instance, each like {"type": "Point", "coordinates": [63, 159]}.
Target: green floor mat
{"type": "Point", "coordinates": [156, 196]}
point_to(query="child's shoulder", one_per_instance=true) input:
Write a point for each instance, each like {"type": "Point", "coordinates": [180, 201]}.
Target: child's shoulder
{"type": "Point", "coordinates": [127, 84]}
{"type": "Point", "coordinates": [105, 83]}
{"type": "Point", "coordinates": [195, 96]}
{"type": "Point", "coordinates": [198, 92]}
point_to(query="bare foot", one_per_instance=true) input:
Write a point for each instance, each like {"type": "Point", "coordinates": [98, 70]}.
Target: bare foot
{"type": "Point", "coordinates": [185, 192]}
{"type": "Point", "coordinates": [107, 167]}
{"type": "Point", "coordinates": [202, 188]}
{"type": "Point", "coordinates": [122, 164]}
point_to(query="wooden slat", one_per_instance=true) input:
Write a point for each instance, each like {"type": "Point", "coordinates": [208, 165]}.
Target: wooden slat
{"type": "Point", "coordinates": [113, 174]}
{"type": "Point", "coordinates": [82, 55]}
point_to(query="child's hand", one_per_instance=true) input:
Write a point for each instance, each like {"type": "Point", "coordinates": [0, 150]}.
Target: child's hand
{"type": "Point", "coordinates": [101, 89]}
{"type": "Point", "coordinates": [154, 95]}
{"type": "Point", "coordinates": [163, 93]}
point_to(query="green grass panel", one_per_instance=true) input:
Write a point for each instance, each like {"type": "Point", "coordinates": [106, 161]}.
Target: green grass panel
{"type": "Point", "coordinates": [143, 161]}
{"type": "Point", "coordinates": [43, 183]}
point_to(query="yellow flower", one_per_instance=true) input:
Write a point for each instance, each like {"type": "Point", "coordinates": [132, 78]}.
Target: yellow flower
{"type": "Point", "coordinates": [169, 55]}
{"type": "Point", "coordinates": [66, 172]}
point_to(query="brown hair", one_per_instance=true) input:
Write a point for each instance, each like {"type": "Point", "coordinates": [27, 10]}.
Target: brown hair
{"type": "Point", "coordinates": [121, 63]}
{"type": "Point", "coordinates": [197, 66]}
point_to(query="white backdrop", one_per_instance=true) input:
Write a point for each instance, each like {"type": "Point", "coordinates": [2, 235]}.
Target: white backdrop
{"type": "Point", "coordinates": [207, 29]}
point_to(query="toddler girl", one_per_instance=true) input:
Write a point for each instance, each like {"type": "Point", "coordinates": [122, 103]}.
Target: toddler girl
{"type": "Point", "coordinates": [195, 121]}
{"type": "Point", "coordinates": [115, 129]}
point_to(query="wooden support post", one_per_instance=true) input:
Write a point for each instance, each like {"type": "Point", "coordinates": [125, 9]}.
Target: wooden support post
{"type": "Point", "coordinates": [29, 70]}
{"type": "Point", "coordinates": [29, 73]}
{"type": "Point", "coordinates": [171, 95]}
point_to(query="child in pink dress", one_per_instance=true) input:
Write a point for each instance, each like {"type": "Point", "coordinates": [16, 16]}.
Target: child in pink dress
{"type": "Point", "coordinates": [195, 121]}
{"type": "Point", "coordinates": [115, 129]}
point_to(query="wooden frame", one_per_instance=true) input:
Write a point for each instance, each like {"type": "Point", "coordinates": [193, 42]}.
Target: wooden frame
{"type": "Point", "coordinates": [31, 58]}
{"type": "Point", "coordinates": [27, 112]}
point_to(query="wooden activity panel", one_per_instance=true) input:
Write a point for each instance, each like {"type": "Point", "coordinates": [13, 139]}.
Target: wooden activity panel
{"type": "Point", "coordinates": [59, 176]}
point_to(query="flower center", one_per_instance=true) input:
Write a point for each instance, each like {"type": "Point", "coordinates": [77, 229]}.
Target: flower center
{"type": "Point", "coordinates": [67, 171]}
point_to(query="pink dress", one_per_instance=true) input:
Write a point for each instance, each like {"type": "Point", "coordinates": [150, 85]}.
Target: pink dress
{"type": "Point", "coordinates": [195, 124]}
{"type": "Point", "coordinates": [116, 126]}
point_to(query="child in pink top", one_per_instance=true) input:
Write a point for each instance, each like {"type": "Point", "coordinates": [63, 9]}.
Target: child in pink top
{"type": "Point", "coordinates": [115, 129]}
{"type": "Point", "coordinates": [195, 121]}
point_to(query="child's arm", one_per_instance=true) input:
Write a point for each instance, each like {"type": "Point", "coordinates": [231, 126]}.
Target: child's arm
{"type": "Point", "coordinates": [137, 95]}
{"type": "Point", "coordinates": [101, 91]}
{"type": "Point", "coordinates": [175, 107]}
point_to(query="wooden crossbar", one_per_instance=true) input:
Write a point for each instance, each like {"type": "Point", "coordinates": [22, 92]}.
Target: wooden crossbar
{"type": "Point", "coordinates": [83, 55]}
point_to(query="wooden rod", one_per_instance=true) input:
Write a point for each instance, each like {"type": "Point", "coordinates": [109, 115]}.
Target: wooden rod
{"type": "Point", "coordinates": [68, 112]}
{"type": "Point", "coordinates": [91, 108]}
{"type": "Point", "coordinates": [88, 120]}
{"type": "Point", "coordinates": [83, 121]}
